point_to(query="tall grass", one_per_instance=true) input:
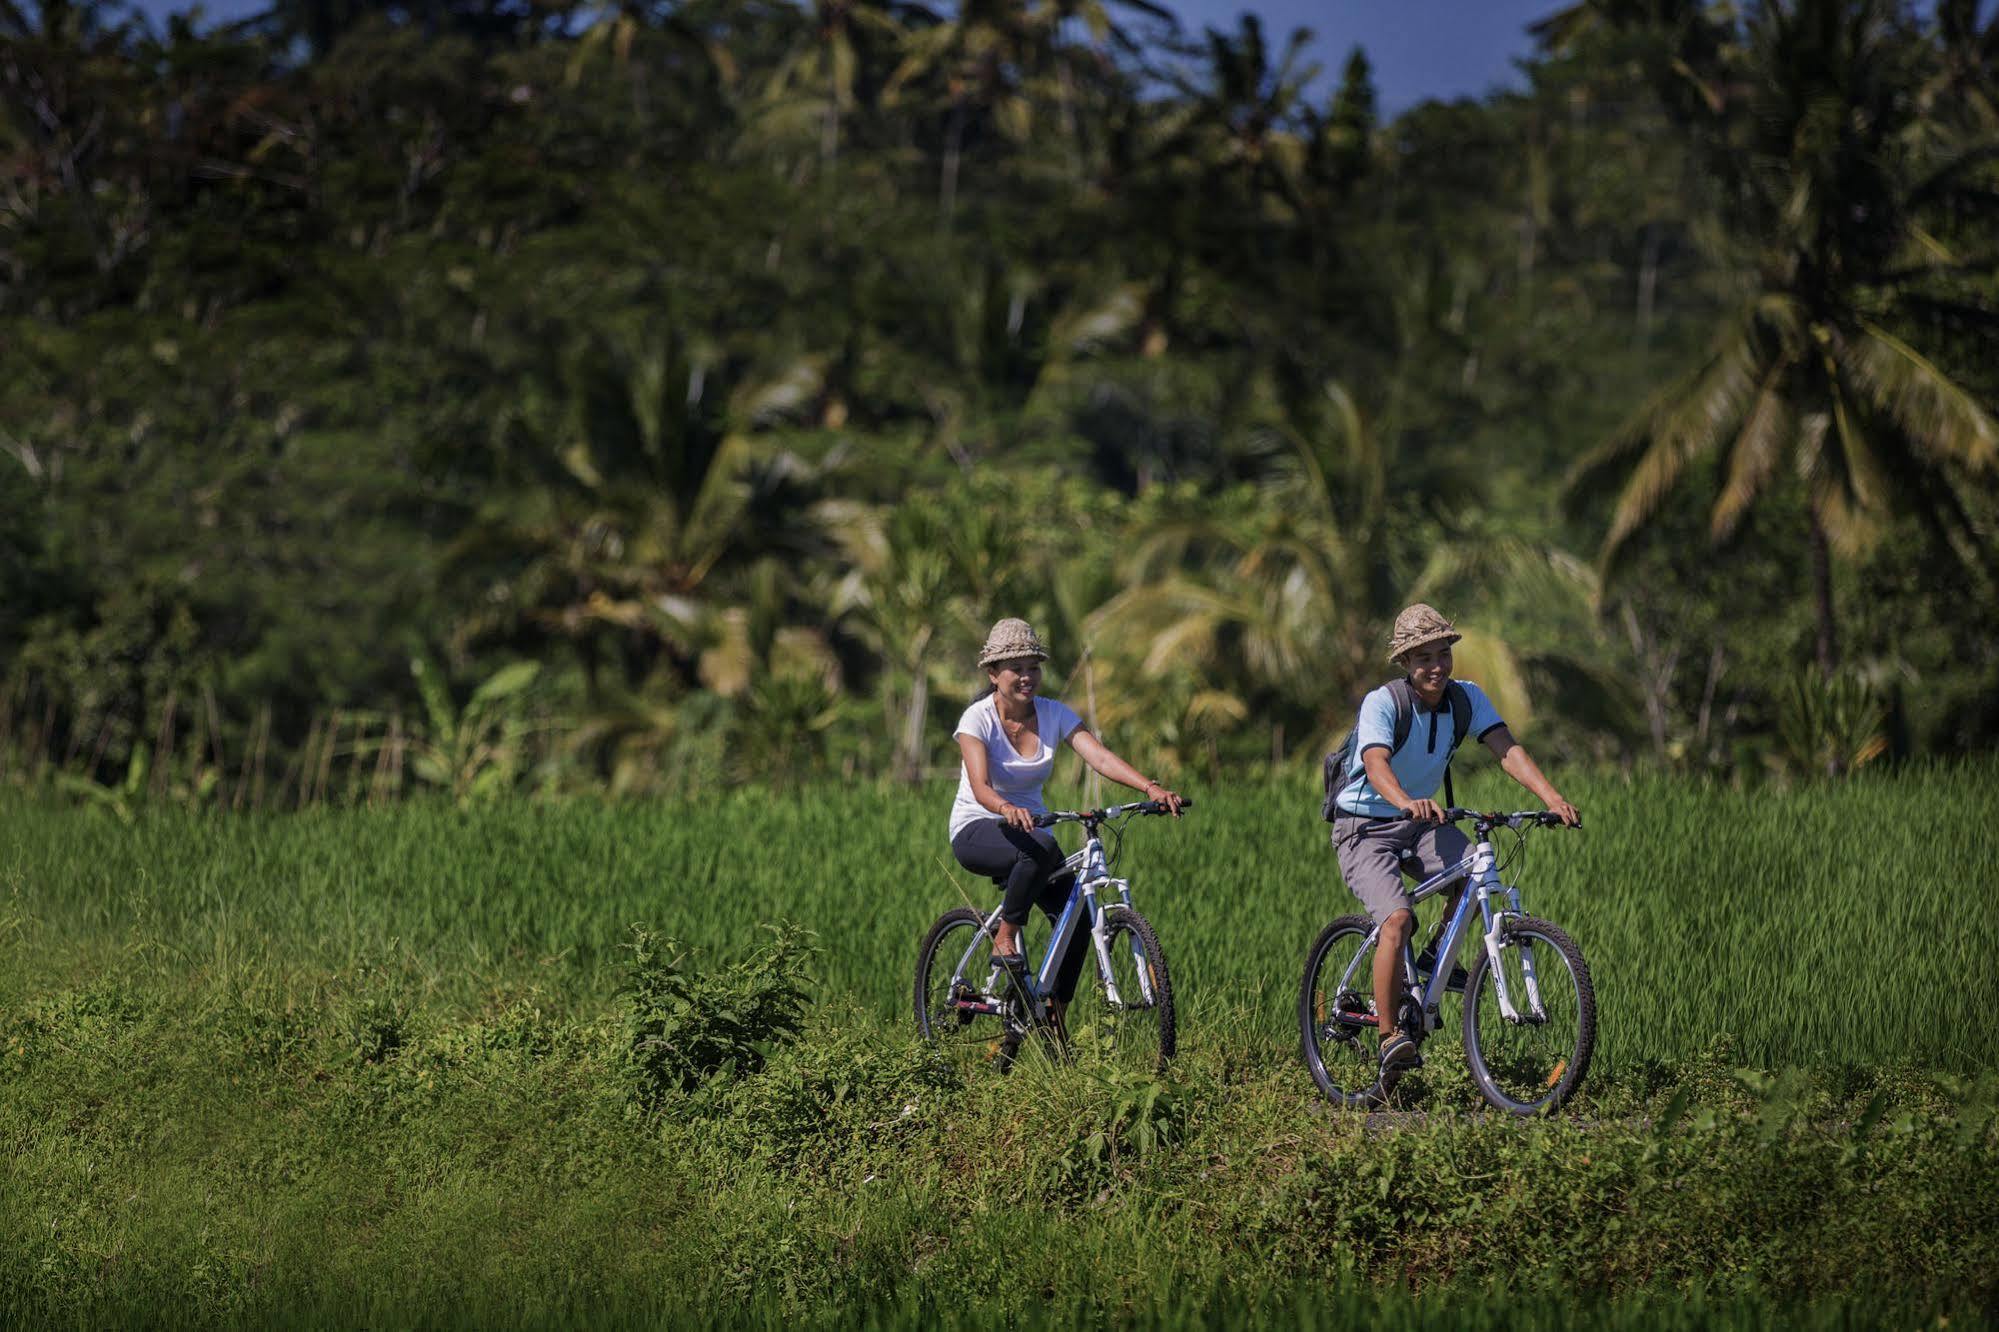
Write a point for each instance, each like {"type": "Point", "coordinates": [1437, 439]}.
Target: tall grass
{"type": "Point", "coordinates": [1826, 925]}
{"type": "Point", "coordinates": [368, 1068]}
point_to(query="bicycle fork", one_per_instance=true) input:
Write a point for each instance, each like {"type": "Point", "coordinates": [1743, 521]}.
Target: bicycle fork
{"type": "Point", "coordinates": [1486, 876]}
{"type": "Point", "coordinates": [1100, 937]}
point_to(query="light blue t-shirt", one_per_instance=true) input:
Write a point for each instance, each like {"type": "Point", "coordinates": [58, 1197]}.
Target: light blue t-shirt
{"type": "Point", "coordinates": [1419, 765]}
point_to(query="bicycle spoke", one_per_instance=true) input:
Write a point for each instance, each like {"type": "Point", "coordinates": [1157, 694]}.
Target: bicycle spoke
{"type": "Point", "coordinates": [1337, 1013]}
{"type": "Point", "coordinates": [960, 1009]}
{"type": "Point", "coordinates": [1533, 1059]}
{"type": "Point", "coordinates": [1128, 1022]}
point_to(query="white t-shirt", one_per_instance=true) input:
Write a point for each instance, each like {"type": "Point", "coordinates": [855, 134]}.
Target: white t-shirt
{"type": "Point", "coordinates": [1017, 780]}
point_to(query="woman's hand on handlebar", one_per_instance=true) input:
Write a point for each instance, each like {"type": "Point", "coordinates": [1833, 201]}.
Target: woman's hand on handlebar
{"type": "Point", "coordinates": [1160, 795]}
{"type": "Point", "coordinates": [1016, 817]}
{"type": "Point", "coordinates": [1424, 811]}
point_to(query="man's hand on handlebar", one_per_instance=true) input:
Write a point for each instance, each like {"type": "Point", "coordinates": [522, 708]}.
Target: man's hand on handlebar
{"type": "Point", "coordinates": [1160, 795]}
{"type": "Point", "coordinates": [1567, 813]}
{"type": "Point", "coordinates": [1424, 811]}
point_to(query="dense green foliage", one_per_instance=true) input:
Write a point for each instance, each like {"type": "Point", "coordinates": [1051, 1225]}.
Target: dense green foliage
{"type": "Point", "coordinates": [414, 1067]}
{"type": "Point", "coordinates": [696, 381]}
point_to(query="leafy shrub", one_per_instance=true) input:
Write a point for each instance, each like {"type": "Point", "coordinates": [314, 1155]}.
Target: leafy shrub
{"type": "Point", "coordinates": [1127, 1118]}
{"type": "Point", "coordinates": [373, 1015]}
{"type": "Point", "coordinates": [684, 1030]}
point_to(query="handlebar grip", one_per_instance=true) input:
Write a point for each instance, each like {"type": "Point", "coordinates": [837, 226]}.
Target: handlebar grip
{"type": "Point", "coordinates": [1044, 820]}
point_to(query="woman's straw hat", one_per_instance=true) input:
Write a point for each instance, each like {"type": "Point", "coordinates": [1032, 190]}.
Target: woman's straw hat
{"type": "Point", "coordinates": [1009, 639]}
{"type": "Point", "coordinates": [1418, 625]}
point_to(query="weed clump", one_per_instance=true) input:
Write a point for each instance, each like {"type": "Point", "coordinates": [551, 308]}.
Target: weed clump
{"type": "Point", "coordinates": [685, 1032]}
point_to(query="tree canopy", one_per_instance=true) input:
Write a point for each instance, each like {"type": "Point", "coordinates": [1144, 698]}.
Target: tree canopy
{"type": "Point", "coordinates": [646, 396]}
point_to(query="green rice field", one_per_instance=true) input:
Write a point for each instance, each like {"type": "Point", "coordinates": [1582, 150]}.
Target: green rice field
{"type": "Point", "coordinates": [376, 1066]}
{"type": "Point", "coordinates": [1834, 925]}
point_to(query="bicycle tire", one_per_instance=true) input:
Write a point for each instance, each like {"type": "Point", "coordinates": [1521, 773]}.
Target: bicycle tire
{"type": "Point", "coordinates": [1134, 1034]}
{"type": "Point", "coordinates": [965, 1039]}
{"type": "Point", "coordinates": [1484, 1024]}
{"type": "Point", "coordinates": [1352, 1078]}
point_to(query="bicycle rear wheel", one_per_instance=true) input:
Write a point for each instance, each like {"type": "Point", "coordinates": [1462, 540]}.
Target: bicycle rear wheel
{"type": "Point", "coordinates": [1533, 1062]}
{"type": "Point", "coordinates": [964, 1007]}
{"type": "Point", "coordinates": [1336, 1014]}
{"type": "Point", "coordinates": [1136, 1030]}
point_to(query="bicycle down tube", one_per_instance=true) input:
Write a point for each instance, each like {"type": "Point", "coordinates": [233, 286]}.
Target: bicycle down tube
{"type": "Point", "coordinates": [1092, 873]}
{"type": "Point", "coordinates": [1479, 865]}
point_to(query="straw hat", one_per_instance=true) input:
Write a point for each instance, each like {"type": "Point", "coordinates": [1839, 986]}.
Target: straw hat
{"type": "Point", "coordinates": [1417, 626]}
{"type": "Point", "coordinates": [1009, 639]}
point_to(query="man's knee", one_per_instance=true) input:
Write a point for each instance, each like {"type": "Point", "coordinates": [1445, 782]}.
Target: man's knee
{"type": "Point", "coordinates": [1398, 924]}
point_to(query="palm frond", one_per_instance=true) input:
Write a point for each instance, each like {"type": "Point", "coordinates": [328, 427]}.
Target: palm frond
{"type": "Point", "coordinates": [1841, 480]}
{"type": "Point", "coordinates": [1939, 416]}
{"type": "Point", "coordinates": [1491, 661]}
{"type": "Point", "coordinates": [718, 503]}
{"type": "Point", "coordinates": [1685, 428]}
{"type": "Point", "coordinates": [1753, 458]}
{"type": "Point", "coordinates": [1494, 559]}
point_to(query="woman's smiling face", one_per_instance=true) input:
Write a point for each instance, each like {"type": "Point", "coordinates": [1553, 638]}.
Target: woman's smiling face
{"type": "Point", "coordinates": [1016, 679]}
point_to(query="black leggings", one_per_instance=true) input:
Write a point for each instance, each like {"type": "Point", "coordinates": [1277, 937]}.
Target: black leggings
{"type": "Point", "coordinates": [1029, 866]}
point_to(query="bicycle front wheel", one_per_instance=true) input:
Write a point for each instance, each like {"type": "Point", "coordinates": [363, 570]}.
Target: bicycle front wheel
{"type": "Point", "coordinates": [1532, 1060]}
{"type": "Point", "coordinates": [1336, 1014]}
{"type": "Point", "coordinates": [959, 1009]}
{"type": "Point", "coordinates": [1127, 1018]}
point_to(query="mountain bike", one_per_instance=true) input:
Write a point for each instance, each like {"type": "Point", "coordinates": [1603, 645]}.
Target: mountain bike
{"type": "Point", "coordinates": [1529, 1020]}
{"type": "Point", "coordinates": [976, 1011]}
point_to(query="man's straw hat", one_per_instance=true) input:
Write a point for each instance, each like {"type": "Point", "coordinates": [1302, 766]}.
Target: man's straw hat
{"type": "Point", "coordinates": [1009, 639]}
{"type": "Point", "coordinates": [1418, 625]}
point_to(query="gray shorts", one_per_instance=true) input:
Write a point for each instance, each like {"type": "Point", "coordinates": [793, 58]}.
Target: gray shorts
{"type": "Point", "coordinates": [1371, 854]}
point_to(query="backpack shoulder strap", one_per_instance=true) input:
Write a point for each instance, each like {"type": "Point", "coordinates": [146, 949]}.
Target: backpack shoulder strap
{"type": "Point", "coordinates": [1404, 695]}
{"type": "Point", "coordinates": [1460, 699]}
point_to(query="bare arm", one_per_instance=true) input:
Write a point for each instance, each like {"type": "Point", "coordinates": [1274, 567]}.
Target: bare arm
{"type": "Point", "coordinates": [1100, 758]}
{"type": "Point", "coordinates": [978, 768]}
{"type": "Point", "coordinates": [1520, 766]}
{"type": "Point", "coordinates": [1374, 762]}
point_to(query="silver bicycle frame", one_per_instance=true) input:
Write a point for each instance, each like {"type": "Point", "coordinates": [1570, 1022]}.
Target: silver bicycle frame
{"type": "Point", "coordinates": [1093, 880]}
{"type": "Point", "coordinates": [1497, 903]}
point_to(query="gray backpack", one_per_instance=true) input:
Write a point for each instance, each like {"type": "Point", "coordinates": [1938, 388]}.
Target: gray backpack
{"type": "Point", "coordinates": [1404, 695]}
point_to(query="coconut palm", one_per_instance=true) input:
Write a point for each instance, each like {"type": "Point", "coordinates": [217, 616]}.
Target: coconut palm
{"type": "Point", "coordinates": [924, 575]}
{"type": "Point", "coordinates": [994, 63]}
{"type": "Point", "coordinates": [1817, 375]}
{"type": "Point", "coordinates": [1964, 89]}
{"type": "Point", "coordinates": [1276, 596]}
{"type": "Point", "coordinates": [838, 59]}
{"type": "Point", "coordinates": [625, 498]}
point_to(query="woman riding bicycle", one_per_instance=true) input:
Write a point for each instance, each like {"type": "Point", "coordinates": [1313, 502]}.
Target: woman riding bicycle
{"type": "Point", "coordinates": [1008, 738]}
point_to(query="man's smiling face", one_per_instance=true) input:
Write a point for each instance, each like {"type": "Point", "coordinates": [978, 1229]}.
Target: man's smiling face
{"type": "Point", "coordinates": [1429, 668]}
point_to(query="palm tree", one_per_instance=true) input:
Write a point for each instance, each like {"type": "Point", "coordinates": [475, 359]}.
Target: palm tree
{"type": "Point", "coordinates": [1224, 170]}
{"type": "Point", "coordinates": [838, 60]}
{"type": "Point", "coordinates": [1965, 87]}
{"type": "Point", "coordinates": [1275, 598]}
{"type": "Point", "coordinates": [994, 63]}
{"type": "Point", "coordinates": [924, 575]}
{"type": "Point", "coordinates": [1817, 373]}
{"type": "Point", "coordinates": [624, 498]}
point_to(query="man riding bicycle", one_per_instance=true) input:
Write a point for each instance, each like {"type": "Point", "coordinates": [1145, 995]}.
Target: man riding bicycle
{"type": "Point", "coordinates": [1384, 813]}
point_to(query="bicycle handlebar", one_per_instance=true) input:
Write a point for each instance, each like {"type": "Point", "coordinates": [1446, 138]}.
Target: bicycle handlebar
{"type": "Point", "coordinates": [1056, 816]}
{"type": "Point", "coordinates": [1495, 818]}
